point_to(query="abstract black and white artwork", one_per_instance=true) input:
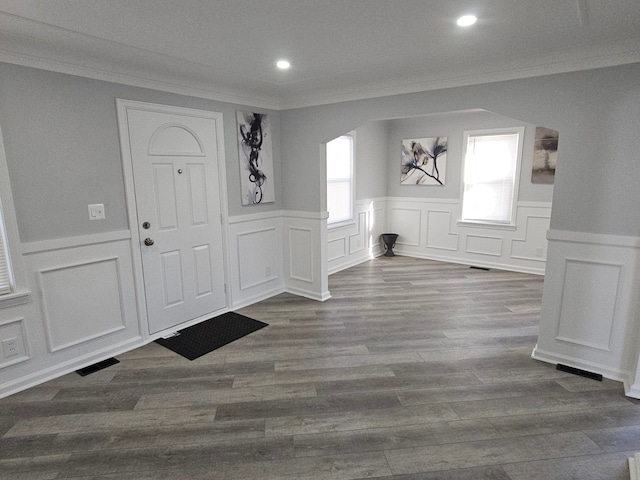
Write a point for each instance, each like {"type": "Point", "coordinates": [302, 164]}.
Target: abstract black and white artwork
{"type": "Point", "coordinates": [545, 156]}
{"type": "Point", "coordinates": [256, 158]}
{"type": "Point", "coordinates": [424, 161]}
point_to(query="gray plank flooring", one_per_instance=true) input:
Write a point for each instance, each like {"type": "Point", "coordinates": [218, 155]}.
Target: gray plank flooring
{"type": "Point", "coordinates": [415, 369]}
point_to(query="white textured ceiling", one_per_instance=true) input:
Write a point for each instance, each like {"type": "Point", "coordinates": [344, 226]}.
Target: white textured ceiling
{"type": "Point", "coordinates": [339, 49]}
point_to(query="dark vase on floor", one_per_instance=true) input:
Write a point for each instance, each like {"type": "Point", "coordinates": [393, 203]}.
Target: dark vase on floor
{"type": "Point", "coordinates": [389, 240]}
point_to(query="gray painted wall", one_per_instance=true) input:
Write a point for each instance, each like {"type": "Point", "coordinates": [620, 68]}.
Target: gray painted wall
{"type": "Point", "coordinates": [453, 125]}
{"type": "Point", "coordinates": [62, 145]}
{"type": "Point", "coordinates": [371, 160]}
{"type": "Point", "coordinates": [597, 113]}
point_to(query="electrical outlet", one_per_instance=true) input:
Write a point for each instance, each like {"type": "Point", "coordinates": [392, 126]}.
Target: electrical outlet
{"type": "Point", "coordinates": [96, 211]}
{"type": "Point", "coordinates": [267, 271]}
{"type": "Point", "coordinates": [10, 347]}
{"type": "Point", "coordinates": [539, 252]}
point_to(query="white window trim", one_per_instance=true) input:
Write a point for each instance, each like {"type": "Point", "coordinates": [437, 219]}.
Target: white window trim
{"type": "Point", "coordinates": [511, 225]}
{"type": "Point", "coordinates": [350, 221]}
{"type": "Point", "coordinates": [20, 293]}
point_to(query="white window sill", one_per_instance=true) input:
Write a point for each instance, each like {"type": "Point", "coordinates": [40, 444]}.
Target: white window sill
{"type": "Point", "coordinates": [493, 226]}
{"type": "Point", "coordinates": [16, 298]}
{"type": "Point", "coordinates": [345, 223]}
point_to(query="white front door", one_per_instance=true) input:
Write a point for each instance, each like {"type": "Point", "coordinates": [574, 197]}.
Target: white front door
{"type": "Point", "coordinates": [176, 181]}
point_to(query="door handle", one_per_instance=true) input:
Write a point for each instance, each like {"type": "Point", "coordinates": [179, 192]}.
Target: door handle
{"type": "Point", "coordinates": [148, 242]}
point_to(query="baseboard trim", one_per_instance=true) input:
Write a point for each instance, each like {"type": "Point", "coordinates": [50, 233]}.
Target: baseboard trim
{"type": "Point", "coordinates": [56, 371]}
{"type": "Point", "coordinates": [258, 298]}
{"type": "Point", "coordinates": [307, 294]}
{"type": "Point", "coordinates": [605, 371]}
{"type": "Point", "coordinates": [466, 261]}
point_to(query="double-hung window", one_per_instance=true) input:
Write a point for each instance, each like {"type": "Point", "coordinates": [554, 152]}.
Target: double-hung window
{"type": "Point", "coordinates": [12, 279]}
{"type": "Point", "coordinates": [490, 178]}
{"type": "Point", "coordinates": [6, 282]}
{"type": "Point", "coordinates": [340, 190]}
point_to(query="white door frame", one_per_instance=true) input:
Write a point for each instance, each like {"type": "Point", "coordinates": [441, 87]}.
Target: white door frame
{"type": "Point", "coordinates": [122, 107]}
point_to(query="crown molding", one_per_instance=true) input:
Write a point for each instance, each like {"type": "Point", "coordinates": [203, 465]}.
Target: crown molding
{"type": "Point", "coordinates": [33, 44]}
{"type": "Point", "coordinates": [564, 62]}
{"type": "Point", "coordinates": [142, 81]}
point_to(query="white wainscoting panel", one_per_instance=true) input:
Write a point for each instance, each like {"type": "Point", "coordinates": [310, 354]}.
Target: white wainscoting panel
{"type": "Point", "coordinates": [406, 223]}
{"type": "Point", "coordinates": [76, 306]}
{"type": "Point", "coordinates": [532, 245]}
{"type": "Point", "coordinates": [358, 241]}
{"type": "Point", "coordinates": [255, 257]}
{"type": "Point", "coordinates": [87, 298]}
{"type": "Point", "coordinates": [439, 234]}
{"type": "Point", "coordinates": [588, 305]}
{"type": "Point", "coordinates": [351, 244]}
{"type": "Point", "coordinates": [337, 249]}
{"type": "Point", "coordinates": [590, 312]}
{"type": "Point", "coordinates": [306, 254]}
{"type": "Point", "coordinates": [301, 254]}
{"type": "Point", "coordinates": [84, 307]}
{"type": "Point", "coordinates": [430, 228]}
{"type": "Point", "coordinates": [483, 245]}
{"type": "Point", "coordinates": [14, 328]}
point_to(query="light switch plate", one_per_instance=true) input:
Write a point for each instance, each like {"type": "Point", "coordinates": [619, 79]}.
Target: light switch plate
{"type": "Point", "coordinates": [96, 211]}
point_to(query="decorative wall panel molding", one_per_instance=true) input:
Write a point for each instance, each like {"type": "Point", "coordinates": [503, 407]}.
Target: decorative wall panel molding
{"type": "Point", "coordinates": [349, 245]}
{"type": "Point", "coordinates": [358, 242]}
{"type": "Point", "coordinates": [439, 234]}
{"type": "Point", "coordinates": [406, 223]}
{"type": "Point", "coordinates": [430, 228]}
{"type": "Point", "coordinates": [14, 329]}
{"type": "Point", "coordinates": [305, 243]}
{"type": "Point", "coordinates": [300, 254]}
{"type": "Point", "coordinates": [76, 308]}
{"type": "Point", "coordinates": [590, 312]}
{"type": "Point", "coordinates": [256, 257]}
{"type": "Point", "coordinates": [84, 308]}
{"type": "Point", "coordinates": [483, 245]}
{"type": "Point", "coordinates": [587, 311]}
{"type": "Point", "coordinates": [337, 249]}
{"type": "Point", "coordinates": [529, 247]}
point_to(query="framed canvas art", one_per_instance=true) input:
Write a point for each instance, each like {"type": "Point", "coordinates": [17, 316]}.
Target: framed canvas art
{"type": "Point", "coordinates": [255, 157]}
{"type": "Point", "coordinates": [424, 161]}
{"type": "Point", "coordinates": [545, 156]}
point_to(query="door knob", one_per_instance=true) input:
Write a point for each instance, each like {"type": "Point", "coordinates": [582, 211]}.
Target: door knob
{"type": "Point", "coordinates": [148, 242]}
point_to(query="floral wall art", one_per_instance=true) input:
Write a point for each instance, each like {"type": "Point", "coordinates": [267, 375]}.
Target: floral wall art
{"type": "Point", "coordinates": [424, 161]}
{"type": "Point", "coordinates": [256, 158]}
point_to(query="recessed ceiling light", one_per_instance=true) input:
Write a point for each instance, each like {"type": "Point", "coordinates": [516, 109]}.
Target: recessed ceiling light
{"type": "Point", "coordinates": [467, 20]}
{"type": "Point", "coordinates": [283, 64]}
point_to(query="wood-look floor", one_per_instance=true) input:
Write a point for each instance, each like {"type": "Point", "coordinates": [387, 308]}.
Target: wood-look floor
{"type": "Point", "coordinates": [413, 370]}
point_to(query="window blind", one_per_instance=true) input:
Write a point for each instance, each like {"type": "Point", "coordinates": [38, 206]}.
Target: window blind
{"type": "Point", "coordinates": [5, 277]}
{"type": "Point", "coordinates": [489, 177]}
{"type": "Point", "coordinates": [340, 179]}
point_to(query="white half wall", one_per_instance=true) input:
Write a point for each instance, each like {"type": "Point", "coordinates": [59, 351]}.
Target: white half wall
{"type": "Point", "coordinates": [255, 251]}
{"type": "Point", "coordinates": [83, 308]}
{"type": "Point", "coordinates": [590, 312]}
{"type": "Point", "coordinates": [305, 254]}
